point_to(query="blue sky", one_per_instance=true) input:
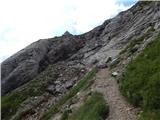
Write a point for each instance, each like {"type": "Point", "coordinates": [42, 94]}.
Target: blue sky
{"type": "Point", "coordinates": [127, 2]}
{"type": "Point", "coordinates": [25, 21]}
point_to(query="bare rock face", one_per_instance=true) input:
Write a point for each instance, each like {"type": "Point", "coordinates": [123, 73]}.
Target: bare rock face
{"type": "Point", "coordinates": [93, 47]}
{"type": "Point", "coordinates": [27, 63]}
{"type": "Point", "coordinates": [23, 66]}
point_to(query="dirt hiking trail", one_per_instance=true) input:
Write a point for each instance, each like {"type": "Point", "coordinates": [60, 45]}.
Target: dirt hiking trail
{"type": "Point", "coordinates": [119, 108]}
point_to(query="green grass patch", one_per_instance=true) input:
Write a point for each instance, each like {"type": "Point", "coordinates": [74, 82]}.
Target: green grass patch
{"type": "Point", "coordinates": [150, 115]}
{"type": "Point", "coordinates": [94, 108]}
{"type": "Point", "coordinates": [65, 115]}
{"type": "Point", "coordinates": [141, 82]}
{"type": "Point", "coordinates": [81, 84]}
{"type": "Point", "coordinates": [12, 101]}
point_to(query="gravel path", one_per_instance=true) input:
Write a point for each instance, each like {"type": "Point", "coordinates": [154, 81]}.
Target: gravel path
{"type": "Point", "coordinates": [119, 108]}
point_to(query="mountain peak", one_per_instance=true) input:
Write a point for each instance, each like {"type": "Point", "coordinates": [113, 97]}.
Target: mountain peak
{"type": "Point", "coordinates": [67, 33]}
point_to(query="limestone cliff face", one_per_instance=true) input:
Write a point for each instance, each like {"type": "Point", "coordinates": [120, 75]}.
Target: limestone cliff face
{"type": "Point", "coordinates": [98, 44]}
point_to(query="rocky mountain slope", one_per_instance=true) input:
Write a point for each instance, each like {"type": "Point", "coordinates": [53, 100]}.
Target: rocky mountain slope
{"type": "Point", "coordinates": [36, 77]}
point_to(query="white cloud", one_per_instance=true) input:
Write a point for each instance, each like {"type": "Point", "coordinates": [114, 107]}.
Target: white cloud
{"type": "Point", "coordinates": [25, 21]}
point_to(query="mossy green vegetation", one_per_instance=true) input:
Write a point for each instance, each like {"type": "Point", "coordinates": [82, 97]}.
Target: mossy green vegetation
{"type": "Point", "coordinates": [150, 115]}
{"type": "Point", "coordinates": [12, 101]}
{"type": "Point", "coordinates": [140, 84]}
{"type": "Point", "coordinates": [65, 115]}
{"type": "Point", "coordinates": [10, 104]}
{"type": "Point", "coordinates": [80, 85]}
{"type": "Point", "coordinates": [94, 108]}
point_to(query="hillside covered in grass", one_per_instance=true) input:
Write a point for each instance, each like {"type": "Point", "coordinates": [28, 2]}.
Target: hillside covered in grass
{"type": "Point", "coordinates": [141, 81]}
{"type": "Point", "coordinates": [94, 108]}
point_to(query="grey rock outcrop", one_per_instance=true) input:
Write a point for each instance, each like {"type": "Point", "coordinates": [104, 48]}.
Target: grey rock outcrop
{"type": "Point", "coordinates": [23, 66]}
{"type": "Point", "coordinates": [27, 63]}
